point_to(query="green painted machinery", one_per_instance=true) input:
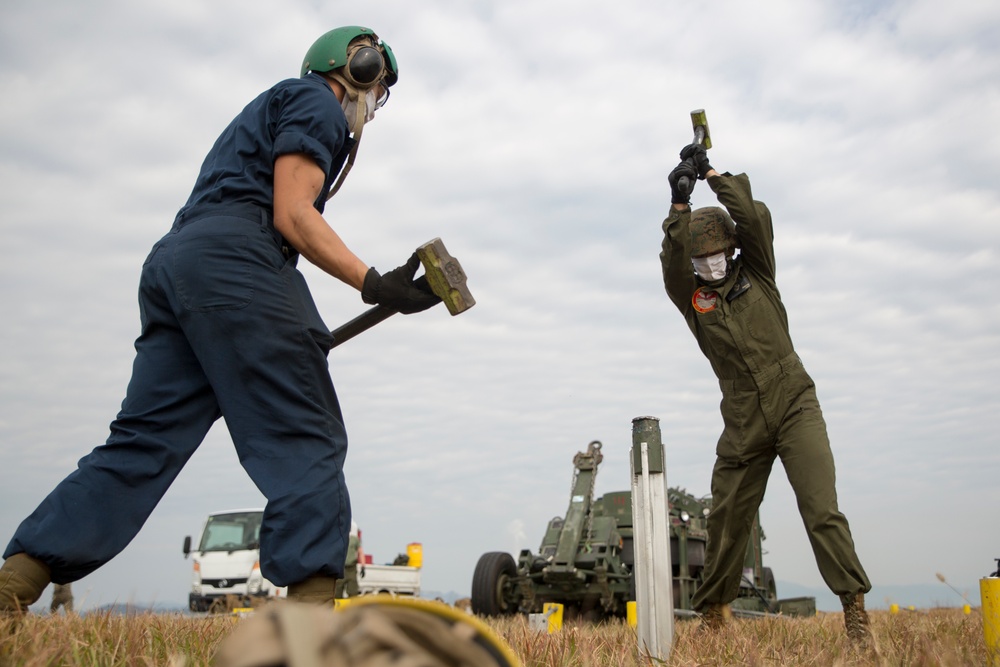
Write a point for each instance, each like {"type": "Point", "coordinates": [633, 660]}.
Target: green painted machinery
{"type": "Point", "coordinates": [586, 557]}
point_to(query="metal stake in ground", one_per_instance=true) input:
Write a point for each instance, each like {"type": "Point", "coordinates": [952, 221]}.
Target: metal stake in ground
{"type": "Point", "coordinates": [651, 525]}
{"type": "Point", "coordinates": [444, 275]}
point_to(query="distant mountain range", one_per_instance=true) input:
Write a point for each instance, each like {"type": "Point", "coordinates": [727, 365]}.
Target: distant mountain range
{"type": "Point", "coordinates": [918, 596]}
{"type": "Point", "coordinates": [121, 609]}
{"type": "Point", "coordinates": [139, 608]}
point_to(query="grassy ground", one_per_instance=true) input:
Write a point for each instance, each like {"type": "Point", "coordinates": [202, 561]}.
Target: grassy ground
{"type": "Point", "coordinates": [931, 637]}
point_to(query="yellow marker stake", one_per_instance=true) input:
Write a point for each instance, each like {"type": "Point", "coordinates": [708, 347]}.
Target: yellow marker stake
{"type": "Point", "coordinates": [989, 589]}
{"type": "Point", "coordinates": [554, 612]}
{"type": "Point", "coordinates": [633, 621]}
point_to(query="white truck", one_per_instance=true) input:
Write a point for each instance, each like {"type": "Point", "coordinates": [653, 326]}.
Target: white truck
{"type": "Point", "coordinates": [226, 568]}
{"type": "Point", "coordinates": [395, 579]}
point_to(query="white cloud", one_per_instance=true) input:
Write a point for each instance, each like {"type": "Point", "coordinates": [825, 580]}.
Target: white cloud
{"type": "Point", "coordinates": [535, 139]}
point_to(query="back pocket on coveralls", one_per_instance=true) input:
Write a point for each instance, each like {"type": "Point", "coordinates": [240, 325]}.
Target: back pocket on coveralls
{"type": "Point", "coordinates": [213, 273]}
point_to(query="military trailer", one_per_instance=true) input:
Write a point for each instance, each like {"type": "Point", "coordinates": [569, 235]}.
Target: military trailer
{"type": "Point", "coordinates": [586, 558]}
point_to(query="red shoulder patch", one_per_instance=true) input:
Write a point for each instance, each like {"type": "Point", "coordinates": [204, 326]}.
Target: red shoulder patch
{"type": "Point", "coordinates": [704, 300]}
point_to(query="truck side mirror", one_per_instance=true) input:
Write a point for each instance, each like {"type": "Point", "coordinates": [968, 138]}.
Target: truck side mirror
{"type": "Point", "coordinates": [187, 545]}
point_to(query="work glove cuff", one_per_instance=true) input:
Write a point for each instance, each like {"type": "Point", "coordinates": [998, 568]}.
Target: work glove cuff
{"type": "Point", "coordinates": [683, 174]}
{"type": "Point", "coordinates": [371, 287]}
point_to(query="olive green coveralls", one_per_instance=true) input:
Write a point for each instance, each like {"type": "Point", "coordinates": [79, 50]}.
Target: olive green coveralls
{"type": "Point", "coordinates": [769, 404]}
{"type": "Point", "coordinates": [348, 587]}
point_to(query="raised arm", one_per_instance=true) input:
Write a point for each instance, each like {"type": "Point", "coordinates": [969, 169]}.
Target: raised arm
{"type": "Point", "coordinates": [753, 221]}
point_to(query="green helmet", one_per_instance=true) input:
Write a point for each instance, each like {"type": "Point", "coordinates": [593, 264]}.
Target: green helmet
{"type": "Point", "coordinates": [712, 232]}
{"type": "Point", "coordinates": [366, 65]}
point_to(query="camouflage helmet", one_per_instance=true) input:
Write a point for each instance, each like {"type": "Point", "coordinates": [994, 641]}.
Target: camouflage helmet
{"type": "Point", "coordinates": [712, 231]}
{"type": "Point", "coordinates": [331, 51]}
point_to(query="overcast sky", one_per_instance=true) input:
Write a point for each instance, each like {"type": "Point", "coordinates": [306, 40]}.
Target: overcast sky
{"type": "Point", "coordinates": [535, 137]}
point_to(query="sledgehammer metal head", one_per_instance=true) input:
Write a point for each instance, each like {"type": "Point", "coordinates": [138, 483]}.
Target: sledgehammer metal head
{"type": "Point", "coordinates": [701, 136]}
{"type": "Point", "coordinates": [700, 124]}
{"type": "Point", "coordinates": [445, 276]}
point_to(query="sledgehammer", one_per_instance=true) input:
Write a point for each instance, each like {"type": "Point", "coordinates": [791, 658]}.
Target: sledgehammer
{"type": "Point", "coordinates": [701, 136]}
{"type": "Point", "coordinates": [445, 277]}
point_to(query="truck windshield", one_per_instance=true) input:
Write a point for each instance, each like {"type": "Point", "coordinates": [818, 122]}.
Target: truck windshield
{"type": "Point", "coordinates": [230, 532]}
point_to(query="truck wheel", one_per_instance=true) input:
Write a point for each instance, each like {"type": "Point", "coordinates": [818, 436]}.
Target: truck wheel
{"type": "Point", "coordinates": [494, 585]}
{"type": "Point", "coordinates": [770, 587]}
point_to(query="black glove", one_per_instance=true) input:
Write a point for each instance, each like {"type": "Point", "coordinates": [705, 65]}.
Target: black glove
{"type": "Point", "coordinates": [398, 290]}
{"type": "Point", "coordinates": [361, 571]}
{"type": "Point", "coordinates": [699, 157]}
{"type": "Point", "coordinates": [681, 181]}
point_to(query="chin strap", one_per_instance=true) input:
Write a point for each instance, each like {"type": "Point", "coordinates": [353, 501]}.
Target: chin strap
{"type": "Point", "coordinates": [356, 128]}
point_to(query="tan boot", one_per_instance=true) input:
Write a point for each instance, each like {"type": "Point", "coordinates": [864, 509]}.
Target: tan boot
{"type": "Point", "coordinates": [316, 590]}
{"type": "Point", "coordinates": [715, 617]}
{"type": "Point", "coordinates": [22, 580]}
{"type": "Point", "coordinates": [859, 629]}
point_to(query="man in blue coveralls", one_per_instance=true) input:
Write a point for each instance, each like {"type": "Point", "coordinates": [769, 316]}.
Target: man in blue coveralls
{"type": "Point", "coordinates": [229, 329]}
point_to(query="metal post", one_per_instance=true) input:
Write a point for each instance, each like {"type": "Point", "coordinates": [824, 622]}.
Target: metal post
{"type": "Point", "coordinates": [651, 535]}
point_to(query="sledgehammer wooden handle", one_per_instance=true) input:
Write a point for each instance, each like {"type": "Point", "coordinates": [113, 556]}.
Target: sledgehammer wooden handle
{"type": "Point", "coordinates": [445, 277]}
{"type": "Point", "coordinates": [699, 121]}
{"type": "Point", "coordinates": [360, 324]}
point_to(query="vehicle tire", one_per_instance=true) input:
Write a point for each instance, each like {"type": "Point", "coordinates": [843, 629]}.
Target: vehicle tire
{"type": "Point", "coordinates": [494, 584]}
{"type": "Point", "coordinates": [770, 587]}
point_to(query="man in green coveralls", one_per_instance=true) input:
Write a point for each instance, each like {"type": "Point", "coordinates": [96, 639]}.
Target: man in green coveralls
{"type": "Point", "coordinates": [62, 596]}
{"type": "Point", "coordinates": [354, 564]}
{"type": "Point", "coordinates": [769, 405]}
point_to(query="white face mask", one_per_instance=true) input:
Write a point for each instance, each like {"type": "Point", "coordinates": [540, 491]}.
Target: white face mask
{"type": "Point", "coordinates": [711, 268]}
{"type": "Point", "coordinates": [351, 108]}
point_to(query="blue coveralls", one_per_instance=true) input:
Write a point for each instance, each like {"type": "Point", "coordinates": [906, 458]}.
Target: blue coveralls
{"type": "Point", "coordinates": [229, 329]}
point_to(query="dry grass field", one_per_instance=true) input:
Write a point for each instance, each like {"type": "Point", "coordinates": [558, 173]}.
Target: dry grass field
{"type": "Point", "coordinates": [925, 638]}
